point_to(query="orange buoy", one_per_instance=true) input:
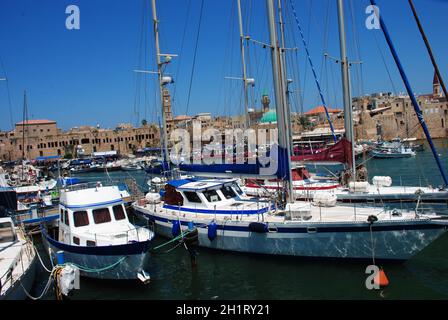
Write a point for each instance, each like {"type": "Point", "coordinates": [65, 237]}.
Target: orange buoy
{"type": "Point", "coordinates": [381, 278]}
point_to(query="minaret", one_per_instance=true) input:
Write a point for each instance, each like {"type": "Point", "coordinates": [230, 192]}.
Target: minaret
{"type": "Point", "coordinates": [265, 101]}
{"type": "Point", "coordinates": [436, 92]}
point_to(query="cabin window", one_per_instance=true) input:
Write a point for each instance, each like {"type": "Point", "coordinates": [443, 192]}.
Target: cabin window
{"type": "Point", "coordinates": [119, 212]}
{"type": "Point", "coordinates": [6, 232]}
{"type": "Point", "coordinates": [62, 215]}
{"type": "Point", "coordinates": [211, 195]}
{"type": "Point", "coordinates": [192, 197]}
{"type": "Point", "coordinates": [76, 240]}
{"type": "Point", "coordinates": [66, 221]}
{"type": "Point", "coordinates": [101, 215]}
{"type": "Point", "coordinates": [228, 192]}
{"type": "Point", "coordinates": [237, 188]}
{"type": "Point", "coordinates": [90, 243]}
{"type": "Point", "coordinates": [80, 218]}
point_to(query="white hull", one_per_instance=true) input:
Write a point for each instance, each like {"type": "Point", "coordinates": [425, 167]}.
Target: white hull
{"type": "Point", "coordinates": [394, 239]}
{"type": "Point", "coordinates": [374, 194]}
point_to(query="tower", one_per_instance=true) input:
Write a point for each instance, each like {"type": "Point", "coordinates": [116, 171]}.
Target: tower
{"type": "Point", "coordinates": [436, 92]}
{"type": "Point", "coordinates": [265, 101]}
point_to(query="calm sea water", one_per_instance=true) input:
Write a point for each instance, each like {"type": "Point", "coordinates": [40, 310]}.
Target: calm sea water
{"type": "Point", "coordinates": [225, 275]}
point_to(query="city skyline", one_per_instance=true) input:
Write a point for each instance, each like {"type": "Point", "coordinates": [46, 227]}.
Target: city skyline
{"type": "Point", "coordinates": [85, 76]}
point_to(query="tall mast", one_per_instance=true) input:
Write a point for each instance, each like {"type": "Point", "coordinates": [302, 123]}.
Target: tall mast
{"type": "Point", "coordinates": [23, 126]}
{"type": "Point", "coordinates": [284, 75]}
{"type": "Point", "coordinates": [159, 74]}
{"type": "Point", "coordinates": [243, 62]}
{"type": "Point", "coordinates": [348, 116]}
{"type": "Point", "coordinates": [283, 129]}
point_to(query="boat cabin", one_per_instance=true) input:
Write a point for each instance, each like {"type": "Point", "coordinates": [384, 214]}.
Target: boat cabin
{"type": "Point", "coordinates": [93, 217]}
{"type": "Point", "coordinates": [207, 194]}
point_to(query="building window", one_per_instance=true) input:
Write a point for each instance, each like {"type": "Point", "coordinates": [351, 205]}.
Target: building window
{"type": "Point", "coordinates": [85, 141]}
{"type": "Point", "coordinates": [41, 153]}
{"type": "Point", "coordinates": [59, 152]}
{"type": "Point", "coordinates": [112, 148]}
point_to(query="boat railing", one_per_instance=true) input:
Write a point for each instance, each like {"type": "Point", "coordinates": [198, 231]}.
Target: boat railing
{"type": "Point", "coordinates": [137, 233]}
{"type": "Point", "coordinates": [8, 279]}
{"type": "Point", "coordinates": [90, 185]}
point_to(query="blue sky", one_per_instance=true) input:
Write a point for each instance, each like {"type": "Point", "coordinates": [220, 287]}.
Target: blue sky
{"type": "Point", "coordinates": [85, 77]}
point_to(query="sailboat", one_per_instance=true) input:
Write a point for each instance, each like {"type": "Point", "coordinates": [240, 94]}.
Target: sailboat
{"type": "Point", "coordinates": [227, 219]}
{"type": "Point", "coordinates": [342, 152]}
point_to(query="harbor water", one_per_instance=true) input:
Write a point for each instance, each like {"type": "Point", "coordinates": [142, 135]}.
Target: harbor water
{"type": "Point", "coordinates": [228, 275]}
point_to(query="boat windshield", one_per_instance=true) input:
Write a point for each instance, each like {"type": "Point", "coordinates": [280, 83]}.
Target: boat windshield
{"type": "Point", "coordinates": [237, 188]}
{"type": "Point", "coordinates": [6, 232]}
{"type": "Point", "coordinates": [211, 196]}
{"type": "Point", "coordinates": [228, 192]}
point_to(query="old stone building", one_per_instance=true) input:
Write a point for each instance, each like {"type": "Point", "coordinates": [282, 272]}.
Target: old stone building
{"type": "Point", "coordinates": [41, 138]}
{"type": "Point", "coordinates": [387, 116]}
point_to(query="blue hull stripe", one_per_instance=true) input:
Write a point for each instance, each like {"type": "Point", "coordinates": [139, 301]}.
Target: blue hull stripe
{"type": "Point", "coordinates": [208, 211]}
{"type": "Point", "coordinates": [361, 228]}
{"type": "Point", "coordinates": [113, 250]}
{"type": "Point", "coordinates": [93, 204]}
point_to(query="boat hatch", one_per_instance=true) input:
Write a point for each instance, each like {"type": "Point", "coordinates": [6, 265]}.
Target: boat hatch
{"type": "Point", "coordinates": [236, 204]}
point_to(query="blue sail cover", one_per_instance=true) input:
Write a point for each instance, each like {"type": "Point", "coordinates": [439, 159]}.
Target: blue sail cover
{"type": "Point", "coordinates": [279, 167]}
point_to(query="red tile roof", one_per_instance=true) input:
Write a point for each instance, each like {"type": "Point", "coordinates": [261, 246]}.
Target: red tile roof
{"type": "Point", "coordinates": [321, 109]}
{"type": "Point", "coordinates": [31, 122]}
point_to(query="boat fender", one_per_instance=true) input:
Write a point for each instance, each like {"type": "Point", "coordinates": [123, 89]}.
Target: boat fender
{"type": "Point", "coordinates": [175, 231]}
{"type": "Point", "coordinates": [372, 218]}
{"type": "Point", "coordinates": [212, 231]}
{"type": "Point", "coordinates": [396, 213]}
{"type": "Point", "coordinates": [381, 279]}
{"type": "Point", "coordinates": [259, 227]}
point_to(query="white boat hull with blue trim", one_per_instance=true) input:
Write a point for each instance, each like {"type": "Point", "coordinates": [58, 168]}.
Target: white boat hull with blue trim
{"type": "Point", "coordinates": [95, 235]}
{"type": "Point", "coordinates": [305, 231]}
{"type": "Point", "coordinates": [123, 262]}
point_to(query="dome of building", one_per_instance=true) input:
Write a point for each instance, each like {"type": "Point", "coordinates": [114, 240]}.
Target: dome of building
{"type": "Point", "coordinates": [269, 116]}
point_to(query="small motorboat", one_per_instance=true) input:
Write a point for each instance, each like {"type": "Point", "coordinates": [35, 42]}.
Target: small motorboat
{"type": "Point", "coordinates": [17, 262]}
{"type": "Point", "coordinates": [95, 235]}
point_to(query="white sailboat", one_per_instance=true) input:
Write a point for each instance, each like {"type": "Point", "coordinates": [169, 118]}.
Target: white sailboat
{"type": "Point", "coordinates": [227, 219]}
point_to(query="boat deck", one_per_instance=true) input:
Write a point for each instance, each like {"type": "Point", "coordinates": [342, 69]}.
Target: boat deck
{"type": "Point", "coordinates": [336, 214]}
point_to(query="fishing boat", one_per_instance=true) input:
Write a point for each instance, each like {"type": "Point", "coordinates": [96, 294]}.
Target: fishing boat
{"type": "Point", "coordinates": [94, 234]}
{"type": "Point", "coordinates": [131, 167]}
{"type": "Point", "coordinates": [387, 153]}
{"type": "Point", "coordinates": [17, 262]}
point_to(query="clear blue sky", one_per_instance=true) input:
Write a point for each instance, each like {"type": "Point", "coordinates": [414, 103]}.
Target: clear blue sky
{"type": "Point", "coordinates": [85, 77]}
